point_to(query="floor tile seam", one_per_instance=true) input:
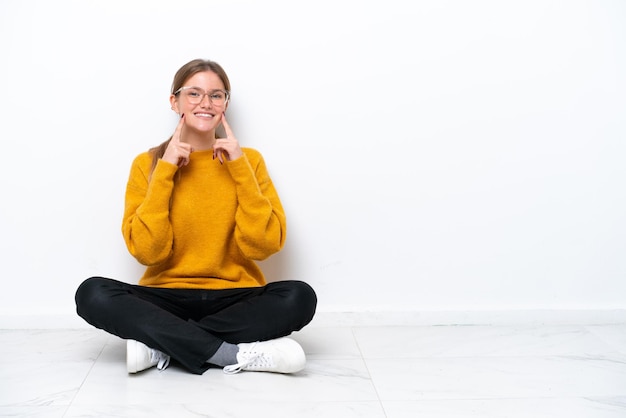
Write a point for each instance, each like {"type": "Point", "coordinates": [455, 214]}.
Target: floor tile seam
{"type": "Point", "coordinates": [369, 374]}
{"type": "Point", "coordinates": [82, 383]}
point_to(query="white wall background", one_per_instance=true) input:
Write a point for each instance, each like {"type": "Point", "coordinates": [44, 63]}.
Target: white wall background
{"type": "Point", "coordinates": [431, 155]}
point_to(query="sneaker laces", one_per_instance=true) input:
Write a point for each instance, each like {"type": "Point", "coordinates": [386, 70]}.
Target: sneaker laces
{"type": "Point", "coordinates": [161, 359]}
{"type": "Point", "coordinates": [250, 359]}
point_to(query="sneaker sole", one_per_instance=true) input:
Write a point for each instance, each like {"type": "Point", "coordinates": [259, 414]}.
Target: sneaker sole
{"type": "Point", "coordinates": [131, 356]}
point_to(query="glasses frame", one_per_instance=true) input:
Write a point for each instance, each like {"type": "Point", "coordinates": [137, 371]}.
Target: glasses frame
{"type": "Point", "coordinates": [205, 93]}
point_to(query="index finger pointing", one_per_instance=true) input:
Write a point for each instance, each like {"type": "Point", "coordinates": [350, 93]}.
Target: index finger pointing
{"type": "Point", "coordinates": [179, 129]}
{"type": "Point", "coordinates": [229, 132]}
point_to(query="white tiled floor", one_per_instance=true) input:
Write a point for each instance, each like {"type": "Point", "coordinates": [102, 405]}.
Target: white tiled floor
{"type": "Point", "coordinates": [394, 372]}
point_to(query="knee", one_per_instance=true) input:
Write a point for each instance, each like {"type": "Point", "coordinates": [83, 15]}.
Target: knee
{"type": "Point", "coordinates": [302, 299]}
{"type": "Point", "coordinates": [305, 294]}
{"type": "Point", "coordinates": [90, 295]}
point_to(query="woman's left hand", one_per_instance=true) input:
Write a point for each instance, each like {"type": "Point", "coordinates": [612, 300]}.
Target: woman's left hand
{"type": "Point", "coordinates": [228, 146]}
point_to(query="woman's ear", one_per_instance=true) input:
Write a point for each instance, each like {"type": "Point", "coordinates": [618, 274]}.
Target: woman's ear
{"type": "Point", "coordinates": [174, 104]}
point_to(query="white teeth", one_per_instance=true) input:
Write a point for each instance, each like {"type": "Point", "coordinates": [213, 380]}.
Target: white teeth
{"type": "Point", "coordinates": [204, 115]}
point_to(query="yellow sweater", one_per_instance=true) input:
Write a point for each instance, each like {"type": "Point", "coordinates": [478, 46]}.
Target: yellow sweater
{"type": "Point", "coordinates": [202, 228]}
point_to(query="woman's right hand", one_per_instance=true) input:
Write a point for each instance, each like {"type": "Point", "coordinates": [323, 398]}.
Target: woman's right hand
{"type": "Point", "coordinates": [177, 152]}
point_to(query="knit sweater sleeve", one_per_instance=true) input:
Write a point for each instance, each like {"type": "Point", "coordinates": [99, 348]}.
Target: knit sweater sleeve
{"type": "Point", "coordinates": [260, 223]}
{"type": "Point", "coordinates": [146, 224]}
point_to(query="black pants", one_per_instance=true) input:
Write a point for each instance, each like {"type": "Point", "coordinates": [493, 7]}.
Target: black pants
{"type": "Point", "coordinates": [191, 324]}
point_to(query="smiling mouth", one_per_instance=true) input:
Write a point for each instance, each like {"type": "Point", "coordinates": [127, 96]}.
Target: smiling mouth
{"type": "Point", "coordinates": [204, 115]}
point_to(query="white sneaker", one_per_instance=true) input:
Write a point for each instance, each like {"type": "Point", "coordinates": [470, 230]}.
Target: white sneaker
{"type": "Point", "coordinates": [141, 357]}
{"type": "Point", "coordinates": [282, 355]}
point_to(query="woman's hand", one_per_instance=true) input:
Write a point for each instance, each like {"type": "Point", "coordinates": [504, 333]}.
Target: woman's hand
{"type": "Point", "coordinates": [177, 152]}
{"type": "Point", "coordinates": [228, 146]}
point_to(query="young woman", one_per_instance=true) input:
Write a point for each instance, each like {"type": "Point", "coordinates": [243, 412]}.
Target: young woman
{"type": "Point", "coordinates": [199, 211]}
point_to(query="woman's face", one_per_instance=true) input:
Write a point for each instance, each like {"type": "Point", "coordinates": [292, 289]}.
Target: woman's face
{"type": "Point", "coordinates": [206, 115]}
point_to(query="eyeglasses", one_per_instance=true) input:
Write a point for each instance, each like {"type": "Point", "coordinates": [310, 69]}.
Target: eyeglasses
{"type": "Point", "coordinates": [195, 95]}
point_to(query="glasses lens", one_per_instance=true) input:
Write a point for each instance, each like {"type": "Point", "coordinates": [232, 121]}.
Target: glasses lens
{"type": "Point", "coordinates": [196, 95]}
{"type": "Point", "coordinates": [218, 97]}
{"type": "Point", "coordinates": [193, 96]}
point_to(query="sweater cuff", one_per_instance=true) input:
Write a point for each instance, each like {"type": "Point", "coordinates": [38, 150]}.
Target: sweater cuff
{"type": "Point", "coordinates": [164, 170]}
{"type": "Point", "coordinates": [240, 169]}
